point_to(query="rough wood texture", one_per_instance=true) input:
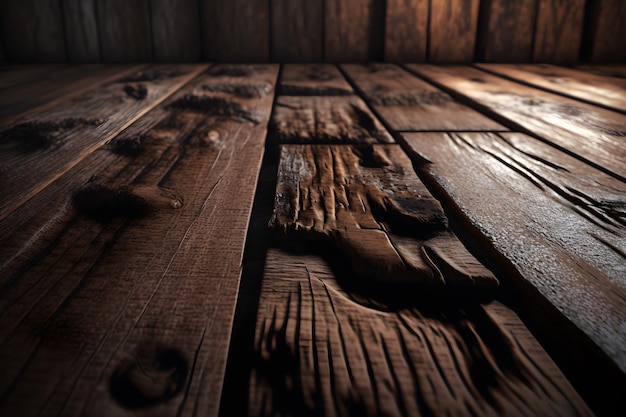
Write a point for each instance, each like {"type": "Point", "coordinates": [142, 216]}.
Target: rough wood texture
{"type": "Point", "coordinates": [406, 30]}
{"type": "Point", "coordinates": [367, 203]}
{"type": "Point", "coordinates": [297, 30]}
{"type": "Point", "coordinates": [557, 220]}
{"type": "Point", "coordinates": [313, 80]}
{"type": "Point", "coordinates": [506, 33]}
{"type": "Point", "coordinates": [80, 21]}
{"type": "Point", "coordinates": [322, 349]}
{"type": "Point", "coordinates": [594, 134]}
{"type": "Point", "coordinates": [156, 237]}
{"type": "Point", "coordinates": [407, 103]}
{"type": "Point", "coordinates": [125, 32]}
{"type": "Point", "coordinates": [32, 30]}
{"type": "Point", "coordinates": [175, 30]}
{"type": "Point", "coordinates": [453, 26]}
{"type": "Point", "coordinates": [607, 31]}
{"type": "Point", "coordinates": [596, 89]}
{"type": "Point", "coordinates": [347, 25]}
{"type": "Point", "coordinates": [39, 149]}
{"type": "Point", "coordinates": [236, 30]}
{"type": "Point", "coordinates": [558, 31]}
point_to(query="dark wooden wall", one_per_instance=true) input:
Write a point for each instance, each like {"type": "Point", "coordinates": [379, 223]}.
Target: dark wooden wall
{"type": "Point", "coordinates": [560, 31]}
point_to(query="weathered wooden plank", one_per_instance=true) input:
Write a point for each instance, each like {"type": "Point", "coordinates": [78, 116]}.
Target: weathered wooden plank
{"type": "Point", "coordinates": [13, 75]}
{"type": "Point", "coordinates": [41, 148]}
{"type": "Point", "coordinates": [558, 31]}
{"type": "Point", "coordinates": [236, 30]}
{"type": "Point", "coordinates": [407, 103]}
{"type": "Point", "coordinates": [80, 21]}
{"type": "Point", "coordinates": [558, 221]}
{"type": "Point", "coordinates": [453, 28]}
{"type": "Point", "coordinates": [347, 30]}
{"type": "Point", "coordinates": [175, 30]}
{"type": "Point", "coordinates": [322, 348]}
{"type": "Point", "coordinates": [613, 70]}
{"type": "Point", "coordinates": [313, 80]}
{"type": "Point", "coordinates": [593, 133]}
{"type": "Point", "coordinates": [406, 30]}
{"type": "Point", "coordinates": [124, 28]}
{"type": "Point", "coordinates": [596, 89]}
{"type": "Point", "coordinates": [297, 30]}
{"type": "Point", "coordinates": [506, 30]}
{"type": "Point", "coordinates": [160, 252]}
{"type": "Point", "coordinates": [32, 30]}
{"type": "Point", "coordinates": [607, 31]}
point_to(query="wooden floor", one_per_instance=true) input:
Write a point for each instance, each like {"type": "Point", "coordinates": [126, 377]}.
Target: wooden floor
{"type": "Point", "coordinates": [312, 240]}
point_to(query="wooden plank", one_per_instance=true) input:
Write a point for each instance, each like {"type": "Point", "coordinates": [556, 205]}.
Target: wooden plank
{"type": "Point", "coordinates": [323, 348]}
{"type": "Point", "coordinates": [80, 20]}
{"type": "Point", "coordinates": [453, 28]}
{"type": "Point", "coordinates": [175, 30]}
{"type": "Point", "coordinates": [607, 31]}
{"type": "Point", "coordinates": [166, 279]}
{"type": "Point", "coordinates": [558, 31]}
{"type": "Point", "coordinates": [406, 30]}
{"type": "Point", "coordinates": [40, 149]}
{"type": "Point", "coordinates": [313, 80]}
{"type": "Point", "coordinates": [613, 70]}
{"type": "Point", "coordinates": [297, 30]}
{"type": "Point", "coordinates": [236, 30]}
{"type": "Point", "coordinates": [559, 222]}
{"type": "Point", "coordinates": [32, 30]}
{"type": "Point", "coordinates": [13, 75]}
{"type": "Point", "coordinates": [596, 89]}
{"type": "Point", "coordinates": [125, 33]}
{"type": "Point", "coordinates": [347, 30]}
{"type": "Point", "coordinates": [506, 30]}
{"type": "Point", "coordinates": [592, 133]}
{"type": "Point", "coordinates": [407, 103]}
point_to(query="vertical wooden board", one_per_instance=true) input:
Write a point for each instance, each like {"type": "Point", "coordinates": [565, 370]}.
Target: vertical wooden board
{"type": "Point", "coordinates": [506, 30]}
{"type": "Point", "coordinates": [80, 20]}
{"type": "Point", "coordinates": [312, 80]}
{"type": "Point", "coordinates": [406, 30]}
{"type": "Point", "coordinates": [236, 30]}
{"type": "Point", "coordinates": [452, 30]}
{"type": "Point", "coordinates": [347, 30]}
{"type": "Point", "coordinates": [176, 30]}
{"type": "Point", "coordinates": [607, 31]}
{"type": "Point", "coordinates": [559, 30]}
{"type": "Point", "coordinates": [124, 28]}
{"type": "Point", "coordinates": [297, 30]}
{"type": "Point", "coordinates": [32, 30]}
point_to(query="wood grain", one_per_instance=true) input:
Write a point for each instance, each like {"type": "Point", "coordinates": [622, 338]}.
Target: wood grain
{"type": "Point", "coordinates": [39, 149]}
{"type": "Point", "coordinates": [613, 70]}
{"type": "Point", "coordinates": [80, 21]}
{"type": "Point", "coordinates": [453, 28]}
{"type": "Point", "coordinates": [406, 30]}
{"type": "Point", "coordinates": [32, 30]}
{"type": "Point", "coordinates": [592, 133]}
{"type": "Point", "coordinates": [322, 349]}
{"type": "Point", "coordinates": [236, 30]}
{"type": "Point", "coordinates": [313, 80]}
{"type": "Point", "coordinates": [347, 30]}
{"type": "Point", "coordinates": [175, 30]}
{"type": "Point", "coordinates": [297, 30]}
{"type": "Point", "coordinates": [407, 103]}
{"type": "Point", "coordinates": [124, 28]}
{"type": "Point", "coordinates": [558, 31]}
{"type": "Point", "coordinates": [166, 278]}
{"type": "Point", "coordinates": [607, 31]}
{"type": "Point", "coordinates": [596, 89]}
{"type": "Point", "coordinates": [506, 33]}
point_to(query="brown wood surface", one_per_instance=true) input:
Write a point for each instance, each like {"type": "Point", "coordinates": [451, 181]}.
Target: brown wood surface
{"type": "Point", "coordinates": [236, 30]}
{"type": "Point", "coordinates": [347, 29]}
{"type": "Point", "coordinates": [558, 221]}
{"type": "Point", "coordinates": [558, 31]}
{"type": "Point", "coordinates": [125, 32]}
{"type": "Point", "coordinates": [406, 30]}
{"type": "Point", "coordinates": [297, 30]}
{"type": "Point", "coordinates": [613, 70]}
{"type": "Point", "coordinates": [596, 89]}
{"type": "Point", "coordinates": [175, 30]}
{"type": "Point", "coordinates": [313, 80]}
{"type": "Point", "coordinates": [453, 28]}
{"type": "Point", "coordinates": [80, 21]}
{"type": "Point", "coordinates": [593, 133]}
{"type": "Point", "coordinates": [607, 31]}
{"type": "Point", "coordinates": [324, 349]}
{"type": "Point", "coordinates": [406, 103]}
{"type": "Point", "coordinates": [32, 30]}
{"type": "Point", "coordinates": [39, 149]}
{"type": "Point", "coordinates": [160, 252]}
{"type": "Point", "coordinates": [506, 33]}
